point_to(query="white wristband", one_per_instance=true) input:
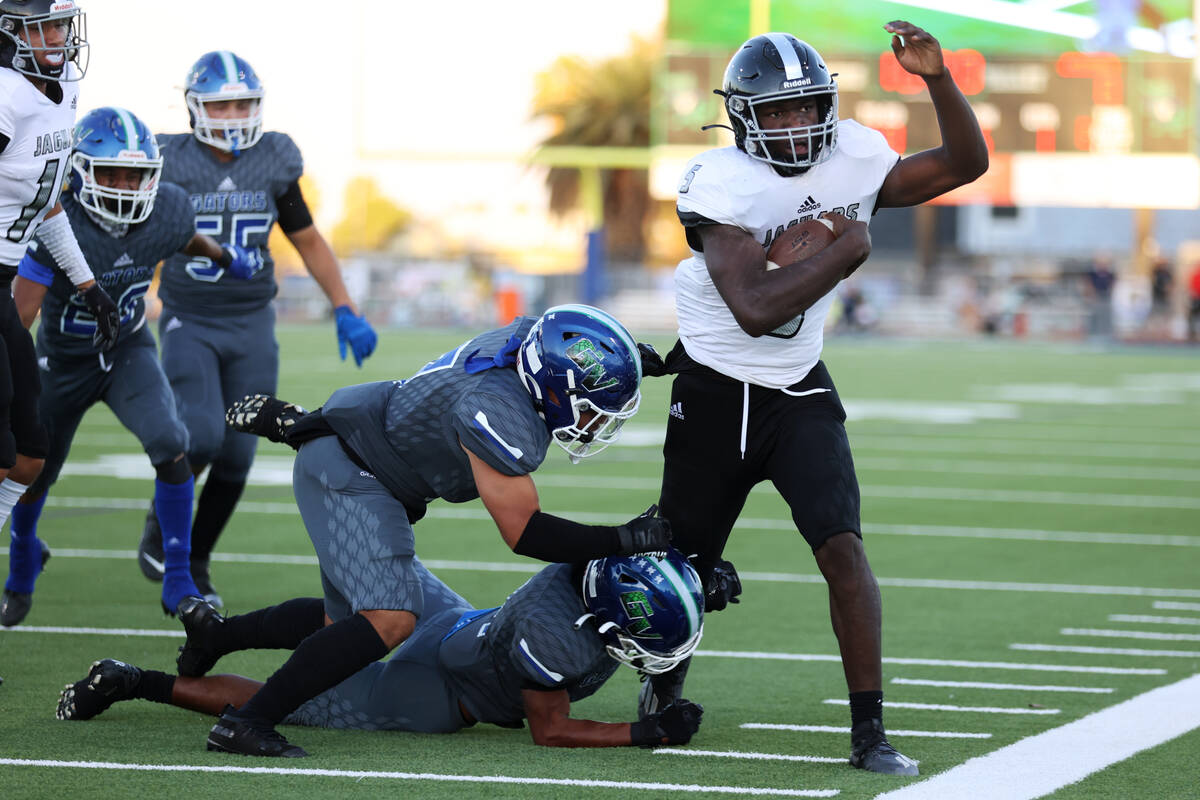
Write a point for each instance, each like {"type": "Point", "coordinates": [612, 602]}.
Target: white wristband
{"type": "Point", "coordinates": [55, 232]}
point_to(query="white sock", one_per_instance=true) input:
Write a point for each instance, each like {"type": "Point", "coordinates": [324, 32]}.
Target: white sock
{"type": "Point", "coordinates": [10, 493]}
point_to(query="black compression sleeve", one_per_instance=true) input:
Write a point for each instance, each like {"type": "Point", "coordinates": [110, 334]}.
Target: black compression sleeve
{"type": "Point", "coordinates": [3, 142]}
{"type": "Point", "coordinates": [550, 538]}
{"type": "Point", "coordinates": [293, 211]}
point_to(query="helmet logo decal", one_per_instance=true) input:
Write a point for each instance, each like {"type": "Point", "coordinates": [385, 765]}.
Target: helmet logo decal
{"type": "Point", "coordinates": [638, 607]}
{"type": "Point", "coordinates": [589, 359]}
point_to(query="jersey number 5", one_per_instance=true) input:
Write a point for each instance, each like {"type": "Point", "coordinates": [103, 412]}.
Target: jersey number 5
{"type": "Point", "coordinates": [241, 226]}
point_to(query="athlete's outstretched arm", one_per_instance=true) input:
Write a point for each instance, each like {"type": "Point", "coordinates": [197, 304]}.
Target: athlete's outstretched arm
{"type": "Point", "coordinates": [322, 264]}
{"type": "Point", "coordinates": [211, 693]}
{"type": "Point", "coordinates": [963, 156]}
{"type": "Point", "coordinates": [551, 725]}
{"type": "Point", "coordinates": [762, 300]}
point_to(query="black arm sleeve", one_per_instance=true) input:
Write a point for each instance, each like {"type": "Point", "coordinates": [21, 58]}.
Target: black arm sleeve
{"type": "Point", "coordinates": [550, 538]}
{"type": "Point", "coordinates": [293, 211]}
{"type": "Point", "coordinates": [3, 142]}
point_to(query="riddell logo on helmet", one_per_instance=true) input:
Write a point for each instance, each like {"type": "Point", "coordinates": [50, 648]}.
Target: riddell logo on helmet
{"type": "Point", "coordinates": [792, 84]}
{"type": "Point", "coordinates": [66, 6]}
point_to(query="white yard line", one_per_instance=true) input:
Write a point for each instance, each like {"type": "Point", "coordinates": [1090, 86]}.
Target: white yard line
{"type": "Point", "coordinates": [1150, 619]}
{"type": "Point", "coordinates": [1004, 687]}
{"type": "Point", "coordinates": [751, 655]}
{"type": "Point", "coordinates": [743, 523]}
{"type": "Point", "coordinates": [677, 751]}
{"type": "Point", "coordinates": [1110, 633]}
{"type": "Point", "coordinates": [1166, 605]}
{"type": "Point", "coordinates": [965, 709]}
{"type": "Point", "coordinates": [742, 791]}
{"type": "Point", "coordinates": [1104, 651]}
{"type": "Point", "coordinates": [775, 577]}
{"type": "Point", "coordinates": [772, 726]}
{"type": "Point", "coordinates": [1041, 764]}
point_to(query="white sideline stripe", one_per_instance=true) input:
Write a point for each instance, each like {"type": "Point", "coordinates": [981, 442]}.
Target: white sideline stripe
{"type": "Point", "coordinates": [675, 751]}
{"type": "Point", "coordinates": [175, 634]}
{"type": "Point", "coordinates": [1157, 636]}
{"type": "Point", "coordinates": [1031, 496]}
{"type": "Point", "coordinates": [1041, 764]}
{"type": "Point", "coordinates": [744, 523]}
{"type": "Point", "coordinates": [1153, 620]}
{"type": "Point", "coordinates": [946, 707]}
{"type": "Point", "coordinates": [936, 662]}
{"type": "Point", "coordinates": [771, 726]}
{"type": "Point", "coordinates": [1122, 472]}
{"type": "Point", "coordinates": [1166, 605]}
{"type": "Point", "coordinates": [426, 776]}
{"type": "Point", "coordinates": [1104, 651]}
{"type": "Point", "coordinates": [976, 446]}
{"type": "Point", "coordinates": [775, 577]}
{"type": "Point", "coordinates": [1021, 687]}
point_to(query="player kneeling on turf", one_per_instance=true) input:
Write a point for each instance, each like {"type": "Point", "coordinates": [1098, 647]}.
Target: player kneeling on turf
{"type": "Point", "coordinates": [555, 640]}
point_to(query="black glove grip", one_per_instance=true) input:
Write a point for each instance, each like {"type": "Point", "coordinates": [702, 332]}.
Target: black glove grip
{"type": "Point", "coordinates": [722, 588]}
{"type": "Point", "coordinates": [653, 365]}
{"type": "Point", "coordinates": [108, 319]}
{"type": "Point", "coordinates": [643, 535]}
{"type": "Point", "coordinates": [680, 721]}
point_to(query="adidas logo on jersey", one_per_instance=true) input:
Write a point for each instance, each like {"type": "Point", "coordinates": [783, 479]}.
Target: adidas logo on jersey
{"type": "Point", "coordinates": [809, 205]}
{"type": "Point", "coordinates": [227, 185]}
{"type": "Point", "coordinates": [676, 410]}
{"type": "Point", "coordinates": [123, 261]}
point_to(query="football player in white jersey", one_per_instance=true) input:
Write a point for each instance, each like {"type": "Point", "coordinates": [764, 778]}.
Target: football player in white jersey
{"type": "Point", "coordinates": [751, 400]}
{"type": "Point", "coordinates": [43, 51]}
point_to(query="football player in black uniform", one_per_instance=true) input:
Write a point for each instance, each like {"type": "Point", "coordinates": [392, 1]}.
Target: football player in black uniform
{"type": "Point", "coordinates": [752, 400]}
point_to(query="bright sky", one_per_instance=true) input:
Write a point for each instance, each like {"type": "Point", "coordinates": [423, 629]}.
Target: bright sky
{"type": "Point", "coordinates": [436, 78]}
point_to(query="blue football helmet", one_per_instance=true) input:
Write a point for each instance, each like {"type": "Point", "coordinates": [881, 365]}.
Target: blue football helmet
{"type": "Point", "coordinates": [776, 67]}
{"type": "Point", "coordinates": [584, 372]}
{"type": "Point", "coordinates": [216, 77]}
{"type": "Point", "coordinates": [24, 25]}
{"type": "Point", "coordinates": [113, 137]}
{"type": "Point", "coordinates": [650, 609]}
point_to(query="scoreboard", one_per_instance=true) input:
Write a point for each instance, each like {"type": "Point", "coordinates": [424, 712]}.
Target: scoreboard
{"type": "Point", "coordinates": [1073, 102]}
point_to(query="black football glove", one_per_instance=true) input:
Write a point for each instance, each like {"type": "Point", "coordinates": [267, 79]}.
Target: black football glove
{"type": "Point", "coordinates": [108, 319]}
{"type": "Point", "coordinates": [653, 365]}
{"type": "Point", "coordinates": [647, 533]}
{"type": "Point", "coordinates": [675, 724]}
{"type": "Point", "coordinates": [722, 587]}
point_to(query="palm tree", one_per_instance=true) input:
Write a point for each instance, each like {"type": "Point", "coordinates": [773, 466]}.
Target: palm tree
{"type": "Point", "coordinates": [602, 105]}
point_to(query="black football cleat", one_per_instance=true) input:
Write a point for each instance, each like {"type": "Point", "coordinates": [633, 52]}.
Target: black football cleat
{"type": "Point", "coordinates": [250, 737]}
{"type": "Point", "coordinates": [150, 548]}
{"type": "Point", "coordinates": [263, 415]}
{"type": "Point", "coordinates": [107, 682]}
{"type": "Point", "coordinates": [870, 750]}
{"type": "Point", "coordinates": [199, 653]}
{"type": "Point", "coordinates": [203, 580]}
{"type": "Point", "coordinates": [15, 606]}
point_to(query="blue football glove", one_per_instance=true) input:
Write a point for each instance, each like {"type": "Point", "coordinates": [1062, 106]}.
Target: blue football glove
{"type": "Point", "coordinates": [243, 263]}
{"type": "Point", "coordinates": [356, 332]}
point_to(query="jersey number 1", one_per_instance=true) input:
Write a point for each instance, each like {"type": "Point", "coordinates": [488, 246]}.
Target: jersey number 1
{"type": "Point", "coordinates": [46, 184]}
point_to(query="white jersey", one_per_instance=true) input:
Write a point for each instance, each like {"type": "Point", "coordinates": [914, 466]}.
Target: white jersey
{"type": "Point", "coordinates": [728, 187]}
{"type": "Point", "coordinates": [34, 164]}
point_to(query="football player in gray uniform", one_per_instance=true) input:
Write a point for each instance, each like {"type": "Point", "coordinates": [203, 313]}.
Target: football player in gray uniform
{"type": "Point", "coordinates": [555, 640]}
{"type": "Point", "coordinates": [217, 329]}
{"type": "Point", "coordinates": [472, 423]}
{"type": "Point", "coordinates": [126, 221]}
{"type": "Point", "coordinates": [43, 55]}
{"type": "Point", "coordinates": [751, 400]}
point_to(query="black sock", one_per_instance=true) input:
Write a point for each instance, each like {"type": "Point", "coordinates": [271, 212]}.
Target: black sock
{"type": "Point", "coordinates": [864, 706]}
{"type": "Point", "coordinates": [281, 627]}
{"type": "Point", "coordinates": [322, 661]}
{"type": "Point", "coordinates": [155, 686]}
{"type": "Point", "coordinates": [217, 501]}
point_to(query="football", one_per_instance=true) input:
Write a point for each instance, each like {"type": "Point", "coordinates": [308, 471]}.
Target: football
{"type": "Point", "coordinates": [799, 242]}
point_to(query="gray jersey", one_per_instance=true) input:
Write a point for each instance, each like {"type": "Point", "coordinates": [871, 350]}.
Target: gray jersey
{"type": "Point", "coordinates": [408, 432]}
{"type": "Point", "coordinates": [234, 204]}
{"type": "Point", "coordinates": [530, 642]}
{"type": "Point", "coordinates": [123, 267]}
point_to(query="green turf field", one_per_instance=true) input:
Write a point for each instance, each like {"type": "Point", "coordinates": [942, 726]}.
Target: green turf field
{"type": "Point", "coordinates": [1032, 513]}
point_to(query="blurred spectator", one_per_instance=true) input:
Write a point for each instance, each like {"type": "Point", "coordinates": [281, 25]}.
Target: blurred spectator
{"type": "Point", "coordinates": [857, 314]}
{"type": "Point", "coordinates": [1161, 280]}
{"type": "Point", "coordinates": [1194, 304]}
{"type": "Point", "coordinates": [1100, 280]}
